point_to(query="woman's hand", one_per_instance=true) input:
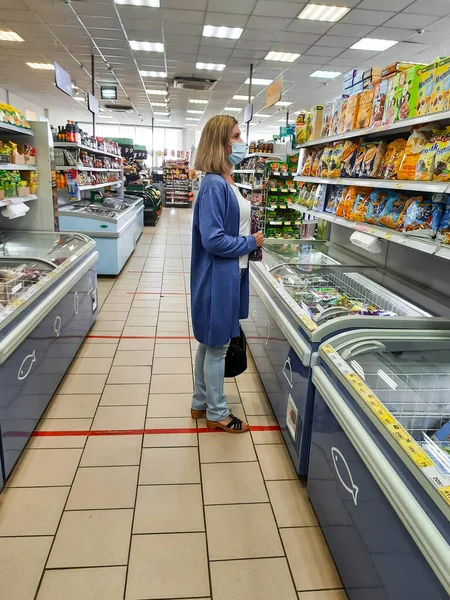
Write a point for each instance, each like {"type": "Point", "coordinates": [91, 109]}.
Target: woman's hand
{"type": "Point", "coordinates": [259, 238]}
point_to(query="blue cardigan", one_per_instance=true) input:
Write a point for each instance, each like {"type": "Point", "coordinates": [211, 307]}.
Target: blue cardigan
{"type": "Point", "coordinates": [219, 296]}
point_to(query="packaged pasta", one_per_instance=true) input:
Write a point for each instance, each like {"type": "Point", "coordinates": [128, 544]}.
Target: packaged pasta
{"type": "Point", "coordinates": [414, 146]}
{"type": "Point", "coordinates": [307, 165]}
{"type": "Point", "coordinates": [361, 207]}
{"type": "Point", "coordinates": [334, 198]}
{"type": "Point", "coordinates": [425, 164]}
{"type": "Point", "coordinates": [378, 200]}
{"type": "Point", "coordinates": [441, 171]}
{"type": "Point", "coordinates": [315, 169]}
{"type": "Point", "coordinates": [359, 161]}
{"type": "Point", "coordinates": [334, 168]}
{"type": "Point", "coordinates": [349, 153]}
{"type": "Point", "coordinates": [325, 161]}
{"type": "Point", "coordinates": [392, 159]}
{"type": "Point", "coordinates": [372, 160]}
{"type": "Point", "coordinates": [393, 209]}
{"type": "Point", "coordinates": [443, 232]}
{"type": "Point", "coordinates": [423, 217]}
{"type": "Point", "coordinates": [345, 206]}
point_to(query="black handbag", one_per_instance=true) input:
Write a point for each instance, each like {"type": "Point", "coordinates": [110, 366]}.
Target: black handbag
{"type": "Point", "coordinates": [236, 358]}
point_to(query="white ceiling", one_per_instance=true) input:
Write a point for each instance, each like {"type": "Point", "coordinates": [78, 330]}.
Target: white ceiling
{"type": "Point", "coordinates": [69, 31]}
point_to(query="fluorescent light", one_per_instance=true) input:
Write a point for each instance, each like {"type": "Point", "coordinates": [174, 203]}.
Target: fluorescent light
{"type": "Point", "coordinates": [194, 101]}
{"type": "Point", "coordinates": [159, 104]}
{"type": "Point", "coordinates": [163, 120]}
{"type": "Point", "coordinates": [153, 73]}
{"type": "Point", "coordinates": [230, 33]}
{"type": "Point", "coordinates": [273, 126]}
{"type": "Point", "coordinates": [282, 56]}
{"type": "Point", "coordinates": [106, 116]}
{"type": "Point", "coordinates": [262, 115]}
{"type": "Point", "coordinates": [148, 3]}
{"type": "Point", "coordinates": [326, 74]}
{"type": "Point", "coordinates": [42, 66]}
{"type": "Point", "coordinates": [147, 46]}
{"type": "Point", "coordinates": [192, 118]}
{"type": "Point", "coordinates": [157, 92]}
{"type": "Point", "coordinates": [210, 66]}
{"type": "Point", "coordinates": [80, 98]}
{"type": "Point", "coordinates": [163, 114]}
{"type": "Point", "coordinates": [195, 112]}
{"type": "Point", "coordinates": [232, 109]}
{"type": "Point", "coordinates": [10, 36]}
{"type": "Point", "coordinates": [240, 97]}
{"type": "Point", "coordinates": [283, 103]}
{"type": "Point", "coordinates": [373, 44]}
{"type": "Point", "coordinates": [259, 81]}
{"type": "Point", "coordinates": [322, 12]}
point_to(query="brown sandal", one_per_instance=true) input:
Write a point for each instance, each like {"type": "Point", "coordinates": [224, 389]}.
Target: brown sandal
{"type": "Point", "coordinates": [197, 414]}
{"type": "Point", "coordinates": [234, 426]}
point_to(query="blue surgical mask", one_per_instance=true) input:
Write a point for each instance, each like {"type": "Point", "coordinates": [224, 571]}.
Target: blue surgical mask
{"type": "Point", "coordinates": [238, 153]}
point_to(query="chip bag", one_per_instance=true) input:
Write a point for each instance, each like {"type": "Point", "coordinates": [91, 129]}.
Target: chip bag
{"type": "Point", "coordinates": [393, 209]}
{"type": "Point", "coordinates": [443, 232]}
{"type": "Point", "coordinates": [359, 161]}
{"type": "Point", "coordinates": [426, 162]}
{"type": "Point", "coordinates": [361, 207]}
{"type": "Point", "coordinates": [334, 168]}
{"type": "Point", "coordinates": [307, 165]}
{"type": "Point", "coordinates": [334, 198]}
{"type": "Point", "coordinates": [349, 154]}
{"type": "Point", "coordinates": [345, 206]}
{"type": "Point", "coordinates": [325, 161]}
{"type": "Point", "coordinates": [441, 170]}
{"type": "Point", "coordinates": [372, 160]}
{"type": "Point", "coordinates": [423, 217]}
{"type": "Point", "coordinates": [378, 200]}
{"type": "Point", "coordinates": [315, 169]}
{"type": "Point", "coordinates": [392, 159]}
{"type": "Point", "coordinates": [414, 146]}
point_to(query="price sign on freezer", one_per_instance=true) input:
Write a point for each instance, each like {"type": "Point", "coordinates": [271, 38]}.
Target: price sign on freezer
{"type": "Point", "coordinates": [445, 492]}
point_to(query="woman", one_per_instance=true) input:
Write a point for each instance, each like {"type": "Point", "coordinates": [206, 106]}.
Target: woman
{"type": "Point", "coordinates": [221, 243]}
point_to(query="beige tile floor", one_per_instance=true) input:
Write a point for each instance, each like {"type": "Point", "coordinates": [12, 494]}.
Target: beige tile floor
{"type": "Point", "coordinates": [170, 514]}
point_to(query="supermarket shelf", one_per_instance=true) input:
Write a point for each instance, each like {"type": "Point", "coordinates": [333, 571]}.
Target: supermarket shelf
{"type": "Point", "coordinates": [88, 169]}
{"type": "Point", "coordinates": [422, 245]}
{"type": "Point", "coordinates": [11, 167]}
{"type": "Point", "coordinates": [7, 128]}
{"type": "Point", "coordinates": [265, 155]}
{"type": "Point", "coordinates": [245, 171]}
{"type": "Point", "coordinates": [73, 146]}
{"type": "Point", "coordinates": [275, 223]}
{"type": "Point", "coordinates": [416, 186]}
{"type": "Point", "coordinates": [17, 200]}
{"type": "Point", "coordinates": [245, 186]}
{"type": "Point", "coordinates": [398, 127]}
{"type": "Point", "coordinates": [98, 186]}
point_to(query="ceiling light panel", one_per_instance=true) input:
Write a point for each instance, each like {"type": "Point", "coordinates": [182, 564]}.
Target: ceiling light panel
{"type": "Point", "coordinates": [195, 101]}
{"type": "Point", "coordinates": [210, 66]}
{"type": "Point", "coordinates": [148, 3]}
{"type": "Point", "coordinates": [10, 36]}
{"type": "Point", "coordinates": [373, 44]}
{"type": "Point", "coordinates": [163, 114]}
{"type": "Point", "coordinates": [147, 46]}
{"type": "Point", "coordinates": [282, 56]}
{"type": "Point", "coordinates": [283, 103]}
{"type": "Point", "coordinates": [232, 109]}
{"type": "Point", "coordinates": [258, 81]}
{"type": "Point", "coordinates": [159, 104]}
{"type": "Point", "coordinates": [157, 92]}
{"type": "Point", "coordinates": [229, 33]}
{"type": "Point", "coordinates": [326, 74]}
{"type": "Point", "coordinates": [195, 112]}
{"type": "Point", "coordinates": [42, 66]}
{"type": "Point", "coordinates": [323, 12]}
{"type": "Point", "coordinates": [162, 121]}
{"type": "Point", "coordinates": [240, 97]}
{"type": "Point", "coordinates": [153, 73]}
{"type": "Point", "coordinates": [262, 115]}
{"type": "Point", "coordinates": [192, 118]}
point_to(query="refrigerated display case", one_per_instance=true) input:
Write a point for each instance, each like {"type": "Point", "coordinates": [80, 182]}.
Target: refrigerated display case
{"type": "Point", "coordinates": [298, 304]}
{"type": "Point", "coordinates": [115, 224]}
{"type": "Point", "coordinates": [379, 472]}
{"type": "Point", "coordinates": [48, 303]}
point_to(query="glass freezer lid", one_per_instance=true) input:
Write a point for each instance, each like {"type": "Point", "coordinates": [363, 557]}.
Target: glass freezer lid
{"type": "Point", "coordinates": [402, 381]}
{"type": "Point", "coordinates": [55, 248]}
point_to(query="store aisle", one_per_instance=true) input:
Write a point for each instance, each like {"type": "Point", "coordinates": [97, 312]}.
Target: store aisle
{"type": "Point", "coordinates": [121, 496]}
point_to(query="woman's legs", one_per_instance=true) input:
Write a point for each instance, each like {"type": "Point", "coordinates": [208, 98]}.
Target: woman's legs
{"type": "Point", "coordinates": [209, 382]}
{"type": "Point", "coordinates": [199, 397]}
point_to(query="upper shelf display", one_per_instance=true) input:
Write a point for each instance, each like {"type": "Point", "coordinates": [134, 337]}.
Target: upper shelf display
{"type": "Point", "coordinates": [13, 121]}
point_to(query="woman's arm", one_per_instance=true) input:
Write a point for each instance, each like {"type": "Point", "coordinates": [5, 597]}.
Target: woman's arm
{"type": "Point", "coordinates": [211, 221]}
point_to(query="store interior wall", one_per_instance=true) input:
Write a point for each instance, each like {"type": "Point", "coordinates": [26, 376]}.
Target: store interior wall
{"type": "Point", "coordinates": [22, 104]}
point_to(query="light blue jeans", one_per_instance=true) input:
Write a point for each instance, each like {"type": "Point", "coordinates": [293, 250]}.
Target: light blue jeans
{"type": "Point", "coordinates": [209, 382]}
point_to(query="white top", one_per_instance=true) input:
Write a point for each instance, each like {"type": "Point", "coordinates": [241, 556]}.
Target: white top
{"type": "Point", "coordinates": [245, 229]}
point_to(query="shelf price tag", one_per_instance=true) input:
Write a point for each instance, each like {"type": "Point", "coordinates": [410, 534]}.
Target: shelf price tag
{"type": "Point", "coordinates": [388, 236]}
{"type": "Point", "coordinates": [445, 492]}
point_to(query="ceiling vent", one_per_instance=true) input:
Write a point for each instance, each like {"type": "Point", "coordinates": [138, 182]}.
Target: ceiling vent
{"type": "Point", "coordinates": [118, 107]}
{"type": "Point", "coordinates": [194, 83]}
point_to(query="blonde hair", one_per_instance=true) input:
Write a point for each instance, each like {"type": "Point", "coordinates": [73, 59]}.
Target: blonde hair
{"type": "Point", "coordinates": [211, 155]}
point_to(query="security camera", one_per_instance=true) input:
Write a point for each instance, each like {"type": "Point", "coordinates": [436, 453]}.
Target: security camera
{"type": "Point", "coordinates": [420, 31]}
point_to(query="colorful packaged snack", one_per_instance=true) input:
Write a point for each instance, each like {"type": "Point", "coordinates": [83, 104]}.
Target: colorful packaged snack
{"type": "Point", "coordinates": [319, 197]}
{"type": "Point", "coordinates": [361, 207]}
{"type": "Point", "coordinates": [349, 154]}
{"type": "Point", "coordinates": [301, 127]}
{"type": "Point", "coordinates": [378, 200]}
{"type": "Point", "coordinates": [390, 106]}
{"type": "Point", "coordinates": [309, 160]}
{"type": "Point", "coordinates": [352, 113]}
{"type": "Point", "coordinates": [316, 122]}
{"type": "Point", "coordinates": [345, 206]}
{"type": "Point", "coordinates": [392, 210]}
{"type": "Point", "coordinates": [315, 169]}
{"type": "Point", "coordinates": [334, 168]}
{"type": "Point", "coordinates": [335, 115]}
{"type": "Point", "coordinates": [426, 76]}
{"type": "Point", "coordinates": [292, 162]}
{"type": "Point", "coordinates": [441, 93]}
{"type": "Point", "coordinates": [441, 171]}
{"type": "Point", "coordinates": [359, 160]}
{"type": "Point", "coordinates": [372, 160]}
{"type": "Point", "coordinates": [443, 232]}
{"type": "Point", "coordinates": [426, 163]}
{"type": "Point", "coordinates": [343, 115]}
{"type": "Point", "coordinates": [326, 121]}
{"type": "Point", "coordinates": [401, 219]}
{"type": "Point", "coordinates": [364, 109]}
{"type": "Point", "coordinates": [379, 100]}
{"type": "Point", "coordinates": [423, 217]}
{"type": "Point", "coordinates": [334, 199]}
{"type": "Point", "coordinates": [392, 159]}
{"type": "Point", "coordinates": [414, 146]}
{"type": "Point", "coordinates": [325, 161]}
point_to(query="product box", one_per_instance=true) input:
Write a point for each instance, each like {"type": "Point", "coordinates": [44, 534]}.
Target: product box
{"type": "Point", "coordinates": [406, 92]}
{"type": "Point", "coordinates": [443, 434]}
{"type": "Point", "coordinates": [343, 115]}
{"type": "Point", "coordinates": [301, 127]}
{"type": "Point", "coordinates": [379, 100]}
{"type": "Point", "coordinates": [17, 158]}
{"type": "Point", "coordinates": [357, 88]}
{"type": "Point", "coordinates": [350, 76]}
{"type": "Point", "coordinates": [397, 67]}
{"type": "Point", "coordinates": [30, 160]}
{"type": "Point", "coordinates": [372, 73]}
{"type": "Point", "coordinates": [316, 122]}
{"type": "Point", "coordinates": [424, 104]}
{"type": "Point", "coordinates": [23, 191]}
{"type": "Point", "coordinates": [390, 107]}
{"type": "Point", "coordinates": [441, 93]}
{"type": "Point", "coordinates": [364, 109]}
{"type": "Point", "coordinates": [335, 114]}
{"type": "Point", "coordinates": [326, 120]}
{"type": "Point", "coordinates": [358, 78]}
{"type": "Point", "coordinates": [352, 113]}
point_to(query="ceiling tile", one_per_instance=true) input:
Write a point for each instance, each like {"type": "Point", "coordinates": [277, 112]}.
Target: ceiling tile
{"type": "Point", "coordinates": [303, 26]}
{"type": "Point", "coordinates": [294, 48]}
{"type": "Point", "coordinates": [183, 28]}
{"type": "Point", "coordinates": [431, 37]}
{"type": "Point", "coordinates": [217, 42]}
{"type": "Point", "coordinates": [305, 38]}
{"type": "Point", "coordinates": [211, 51]}
{"type": "Point", "coordinates": [391, 33]}
{"type": "Point", "coordinates": [96, 9]}
{"type": "Point", "coordinates": [363, 17]}
{"type": "Point", "coordinates": [335, 41]}
{"type": "Point", "coordinates": [193, 4]}
{"type": "Point", "coordinates": [254, 45]}
{"type": "Point", "coordinates": [440, 25]}
{"type": "Point", "coordinates": [145, 25]}
{"type": "Point", "coordinates": [323, 51]}
{"type": "Point", "coordinates": [349, 30]}
{"type": "Point", "coordinates": [268, 23]}
{"type": "Point", "coordinates": [250, 54]}
{"type": "Point", "coordinates": [265, 8]}
{"type": "Point", "coordinates": [410, 21]}
{"type": "Point", "coordinates": [429, 7]}
{"type": "Point", "coordinates": [261, 34]}
{"type": "Point", "coordinates": [239, 7]}
{"type": "Point", "coordinates": [139, 12]}
{"type": "Point", "coordinates": [226, 19]}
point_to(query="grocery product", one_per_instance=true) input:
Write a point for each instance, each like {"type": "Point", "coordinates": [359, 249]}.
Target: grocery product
{"type": "Point", "coordinates": [335, 115]}
{"type": "Point", "coordinates": [315, 169]}
{"type": "Point", "coordinates": [334, 199]}
{"type": "Point", "coordinates": [396, 67]}
{"type": "Point", "coordinates": [359, 160]}
{"type": "Point", "coordinates": [379, 99]}
{"type": "Point", "coordinates": [371, 77]}
{"type": "Point", "coordinates": [301, 127]}
{"type": "Point", "coordinates": [352, 113]}
{"type": "Point", "coordinates": [308, 163]}
{"type": "Point", "coordinates": [414, 147]}
{"type": "Point", "coordinates": [393, 209]}
{"type": "Point", "coordinates": [392, 159]}
{"type": "Point", "coordinates": [441, 169]}
{"type": "Point", "coordinates": [326, 120]}
{"type": "Point", "coordinates": [372, 160]}
{"type": "Point", "coordinates": [441, 92]}
{"type": "Point", "coordinates": [364, 109]}
{"type": "Point", "coordinates": [426, 163]}
{"type": "Point", "coordinates": [13, 116]}
{"type": "Point", "coordinates": [334, 167]}
{"type": "Point", "coordinates": [390, 107]}
{"type": "Point", "coordinates": [316, 122]}
{"type": "Point", "coordinates": [360, 207]}
{"type": "Point", "coordinates": [407, 92]}
{"type": "Point", "coordinates": [349, 154]}
{"type": "Point", "coordinates": [422, 218]}
{"type": "Point", "coordinates": [343, 115]}
{"type": "Point", "coordinates": [319, 197]}
{"type": "Point", "coordinates": [292, 163]}
{"type": "Point", "coordinates": [424, 103]}
{"type": "Point", "coordinates": [443, 232]}
{"type": "Point", "coordinates": [346, 204]}
{"type": "Point", "coordinates": [378, 200]}
{"type": "Point", "coordinates": [325, 161]}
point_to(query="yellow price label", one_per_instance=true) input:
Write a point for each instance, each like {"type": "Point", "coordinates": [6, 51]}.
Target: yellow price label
{"type": "Point", "coordinates": [398, 431]}
{"type": "Point", "coordinates": [445, 492]}
{"type": "Point", "coordinates": [384, 415]}
{"type": "Point", "coordinates": [387, 236]}
{"type": "Point", "coordinates": [398, 186]}
{"type": "Point", "coordinates": [415, 452]}
{"type": "Point", "coordinates": [308, 322]}
{"type": "Point", "coordinates": [328, 349]}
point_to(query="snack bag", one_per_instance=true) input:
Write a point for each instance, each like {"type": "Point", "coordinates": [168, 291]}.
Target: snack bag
{"type": "Point", "coordinates": [311, 196]}
{"type": "Point", "coordinates": [326, 121]}
{"type": "Point", "coordinates": [319, 197]}
{"type": "Point", "coordinates": [315, 169]}
{"type": "Point", "coordinates": [335, 115]}
{"type": "Point", "coordinates": [345, 206]}
{"type": "Point", "coordinates": [422, 218]}
{"type": "Point", "coordinates": [325, 161]}
{"type": "Point", "coordinates": [334, 168]}
{"type": "Point", "coordinates": [352, 113]}
{"type": "Point", "coordinates": [361, 207]}
{"type": "Point", "coordinates": [441, 171]}
{"type": "Point", "coordinates": [392, 159]}
{"type": "Point", "coordinates": [426, 162]}
{"type": "Point", "coordinates": [309, 160]}
{"type": "Point", "coordinates": [372, 160]}
{"type": "Point", "coordinates": [443, 232]}
{"type": "Point", "coordinates": [401, 219]}
{"type": "Point", "coordinates": [364, 109]}
{"type": "Point", "coordinates": [316, 121]}
{"type": "Point", "coordinates": [414, 146]}
{"type": "Point", "coordinates": [349, 154]}
{"type": "Point", "coordinates": [359, 160]}
{"type": "Point", "coordinates": [378, 200]}
{"type": "Point", "coordinates": [334, 199]}
{"type": "Point", "coordinates": [343, 115]}
{"type": "Point", "coordinates": [389, 114]}
{"type": "Point", "coordinates": [292, 161]}
{"type": "Point", "coordinates": [392, 210]}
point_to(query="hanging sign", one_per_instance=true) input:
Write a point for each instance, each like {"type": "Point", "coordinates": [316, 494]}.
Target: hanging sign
{"type": "Point", "coordinates": [93, 104]}
{"type": "Point", "coordinates": [63, 80]}
{"type": "Point", "coordinates": [248, 113]}
{"type": "Point", "coordinates": [274, 92]}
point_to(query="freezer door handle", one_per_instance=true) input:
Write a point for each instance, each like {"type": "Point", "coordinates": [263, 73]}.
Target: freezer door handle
{"type": "Point", "coordinates": [76, 303]}
{"type": "Point", "coordinates": [333, 311]}
{"type": "Point", "coordinates": [366, 347]}
{"type": "Point", "coordinates": [267, 332]}
{"type": "Point", "coordinates": [287, 372]}
{"type": "Point", "coordinates": [425, 534]}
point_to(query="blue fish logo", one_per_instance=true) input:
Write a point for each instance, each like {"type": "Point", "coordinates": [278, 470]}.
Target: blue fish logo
{"type": "Point", "coordinates": [344, 474]}
{"type": "Point", "coordinates": [26, 366]}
